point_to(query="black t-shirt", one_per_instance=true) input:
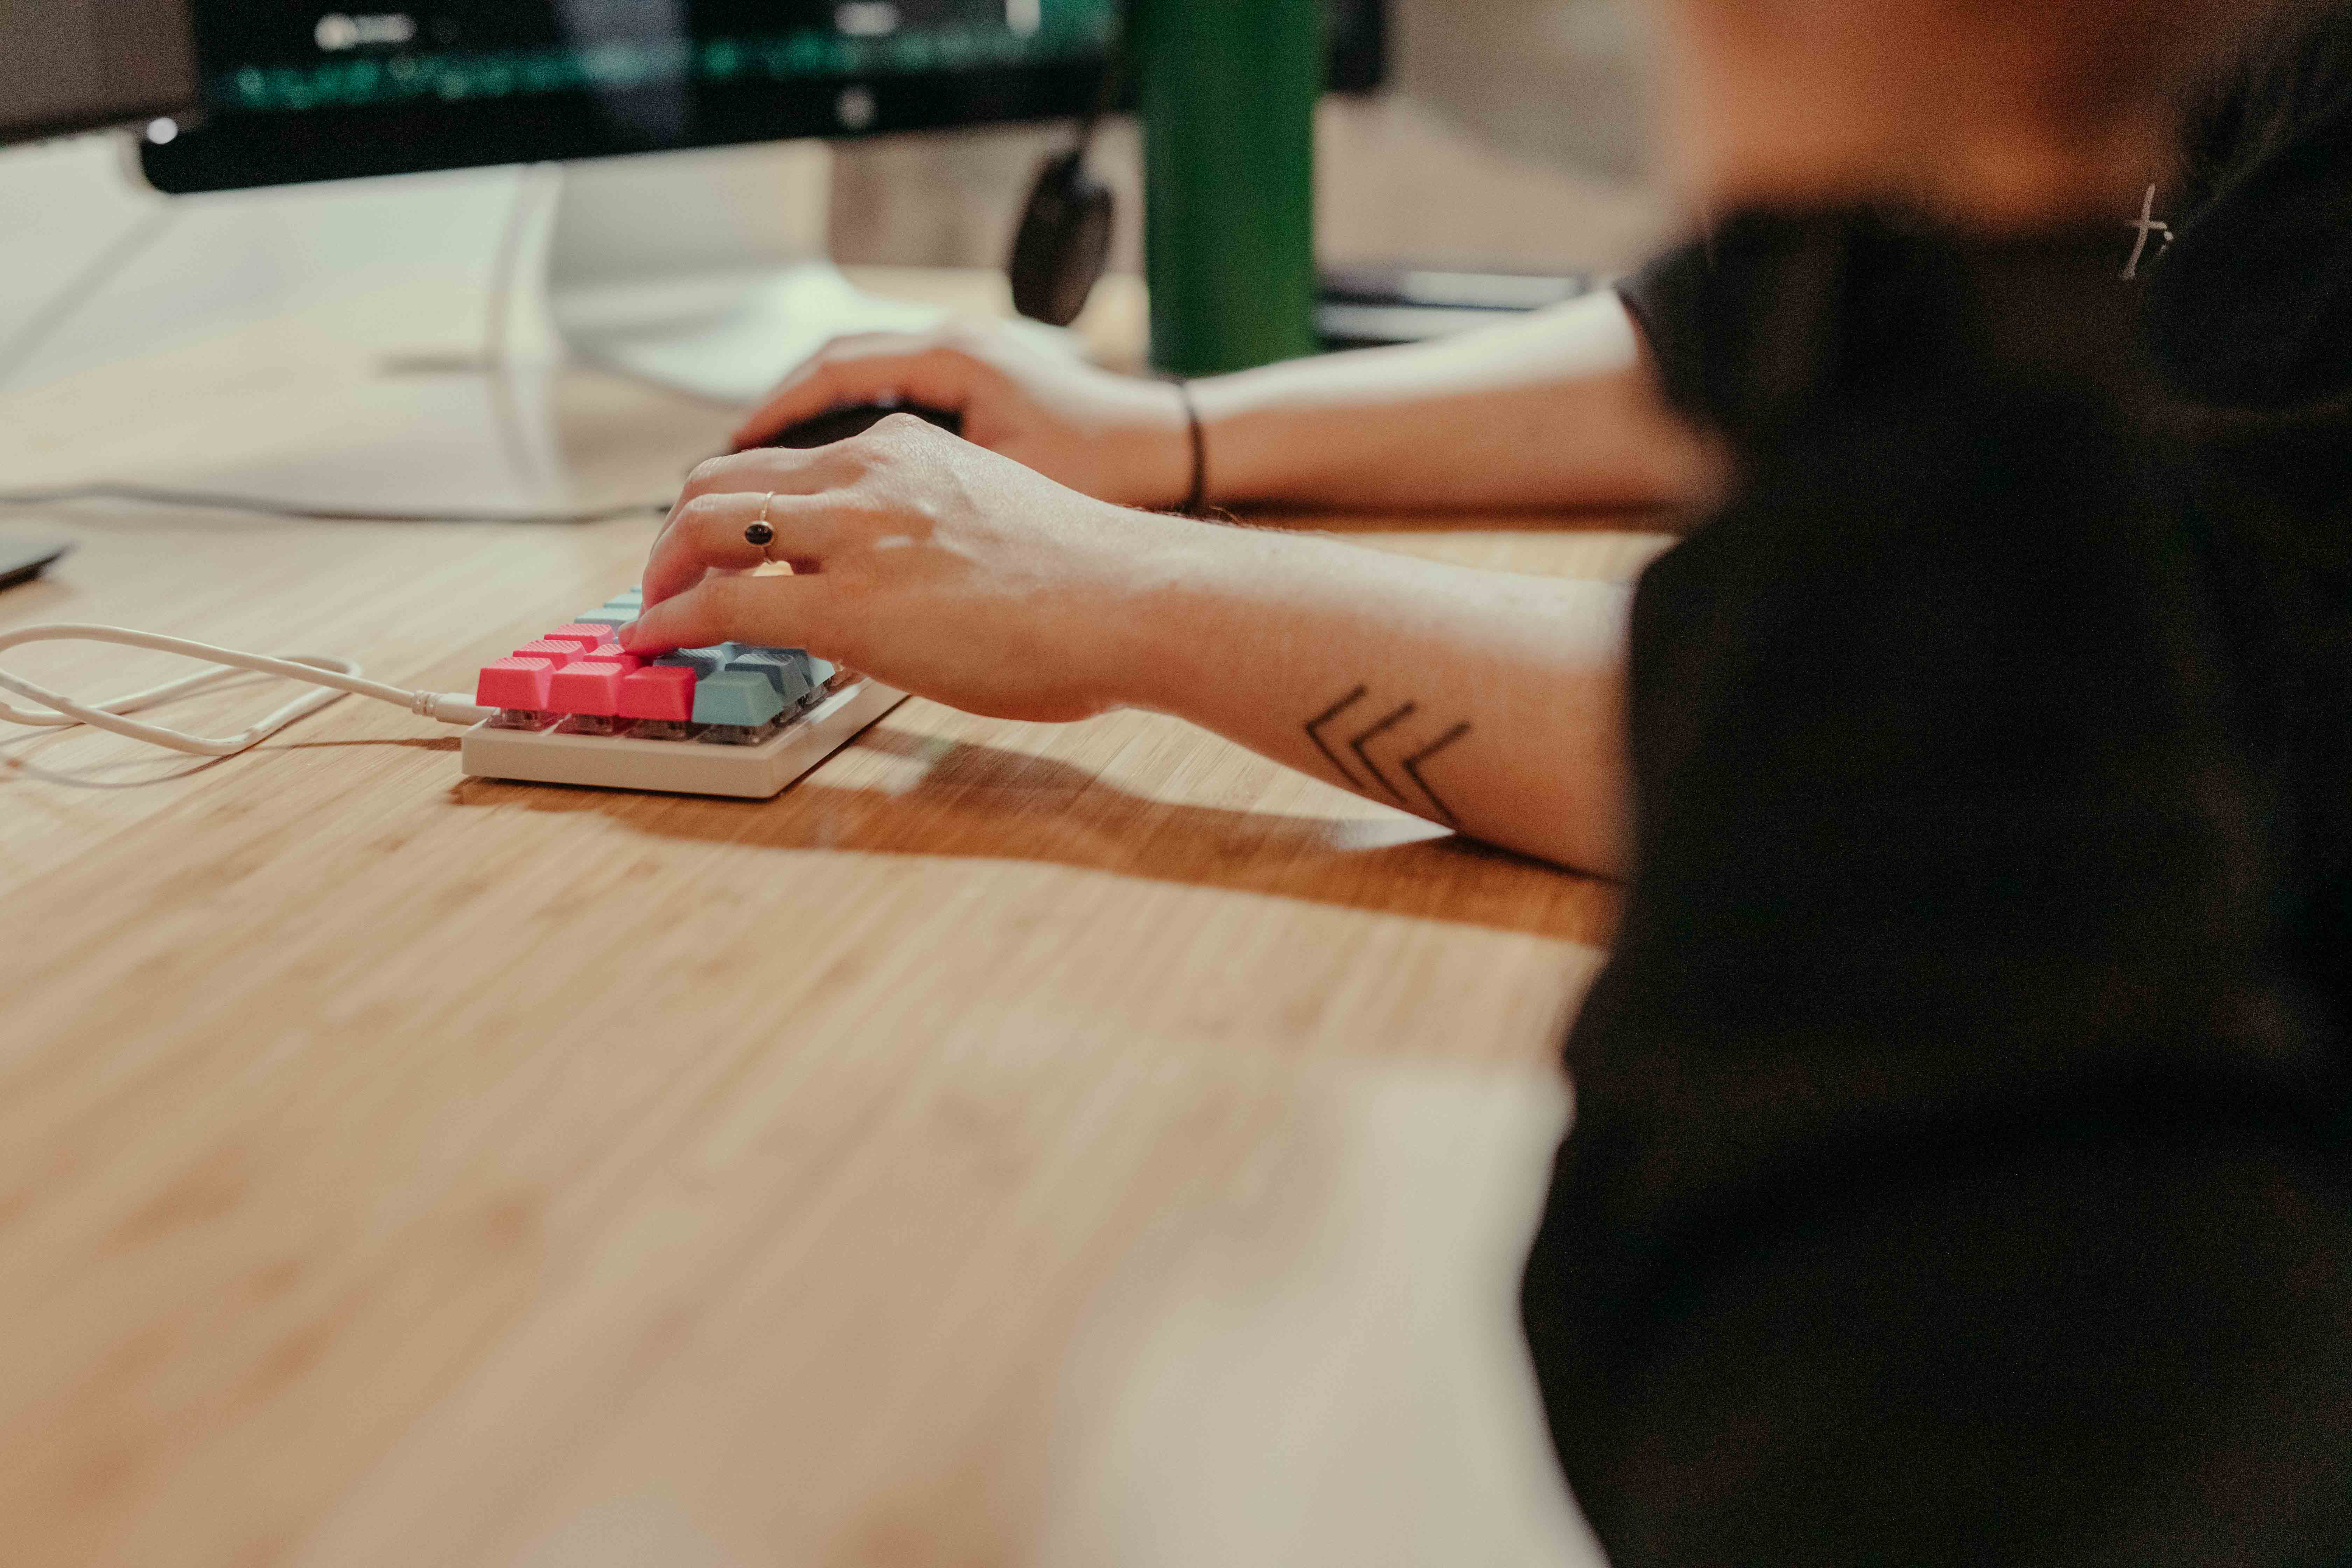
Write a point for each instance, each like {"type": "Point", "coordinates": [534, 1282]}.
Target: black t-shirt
{"type": "Point", "coordinates": [1959, 1169]}
{"type": "Point", "coordinates": [2242, 280]}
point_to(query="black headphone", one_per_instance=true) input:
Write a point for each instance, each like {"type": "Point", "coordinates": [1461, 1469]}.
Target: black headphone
{"type": "Point", "coordinates": [1063, 242]}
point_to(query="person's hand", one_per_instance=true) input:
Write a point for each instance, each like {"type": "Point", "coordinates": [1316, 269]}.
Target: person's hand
{"type": "Point", "coordinates": [921, 560]}
{"type": "Point", "coordinates": [1117, 438]}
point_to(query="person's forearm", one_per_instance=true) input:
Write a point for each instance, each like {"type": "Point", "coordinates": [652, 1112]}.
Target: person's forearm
{"type": "Point", "coordinates": [1558, 409]}
{"type": "Point", "coordinates": [1483, 700]}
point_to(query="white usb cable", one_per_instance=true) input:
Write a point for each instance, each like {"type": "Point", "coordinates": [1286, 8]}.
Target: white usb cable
{"type": "Point", "coordinates": [339, 676]}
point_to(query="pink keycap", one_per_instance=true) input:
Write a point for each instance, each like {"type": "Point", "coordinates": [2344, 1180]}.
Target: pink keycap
{"type": "Point", "coordinates": [515, 683]}
{"type": "Point", "coordinates": [586, 636]}
{"type": "Point", "coordinates": [558, 654]}
{"type": "Point", "coordinates": [590, 687]}
{"type": "Point", "coordinates": [613, 652]}
{"type": "Point", "coordinates": [665, 693]}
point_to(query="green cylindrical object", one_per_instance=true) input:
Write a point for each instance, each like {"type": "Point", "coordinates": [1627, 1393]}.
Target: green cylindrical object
{"type": "Point", "coordinates": [1228, 90]}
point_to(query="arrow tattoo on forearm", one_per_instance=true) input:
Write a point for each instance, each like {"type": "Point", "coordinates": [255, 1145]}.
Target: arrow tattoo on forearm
{"type": "Point", "coordinates": [1411, 765]}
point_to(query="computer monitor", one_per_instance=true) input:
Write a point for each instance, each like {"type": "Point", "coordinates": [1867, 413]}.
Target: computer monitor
{"type": "Point", "coordinates": [78, 65]}
{"type": "Point", "coordinates": [296, 93]}
{"type": "Point", "coordinates": [639, 275]}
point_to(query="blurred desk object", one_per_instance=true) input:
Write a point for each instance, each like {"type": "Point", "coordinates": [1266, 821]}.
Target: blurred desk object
{"type": "Point", "coordinates": [1076, 1145]}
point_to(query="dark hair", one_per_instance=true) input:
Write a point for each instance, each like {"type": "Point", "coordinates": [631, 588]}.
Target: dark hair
{"type": "Point", "coordinates": [2302, 56]}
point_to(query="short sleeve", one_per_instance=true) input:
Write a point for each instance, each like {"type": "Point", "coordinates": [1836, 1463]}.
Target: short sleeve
{"type": "Point", "coordinates": [1663, 301]}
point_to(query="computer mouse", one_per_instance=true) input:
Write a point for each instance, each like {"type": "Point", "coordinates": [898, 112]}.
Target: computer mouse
{"type": "Point", "coordinates": [856, 419]}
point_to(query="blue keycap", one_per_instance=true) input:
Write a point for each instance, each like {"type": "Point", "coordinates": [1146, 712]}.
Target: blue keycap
{"type": "Point", "coordinates": [627, 599]}
{"type": "Point", "coordinates": [785, 669]}
{"type": "Point", "coordinates": [818, 670]}
{"type": "Point", "coordinates": [744, 699]}
{"type": "Point", "coordinates": [705, 662]}
{"type": "Point", "coordinates": [607, 617]}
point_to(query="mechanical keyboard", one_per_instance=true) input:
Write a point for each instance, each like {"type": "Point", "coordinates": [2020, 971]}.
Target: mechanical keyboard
{"type": "Point", "coordinates": [573, 707]}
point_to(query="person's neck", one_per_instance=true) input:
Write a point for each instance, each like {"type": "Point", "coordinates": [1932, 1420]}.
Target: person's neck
{"type": "Point", "coordinates": [1996, 189]}
{"type": "Point", "coordinates": [1977, 169]}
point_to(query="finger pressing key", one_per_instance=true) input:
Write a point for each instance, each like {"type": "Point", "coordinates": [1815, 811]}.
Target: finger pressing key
{"type": "Point", "coordinates": [770, 612]}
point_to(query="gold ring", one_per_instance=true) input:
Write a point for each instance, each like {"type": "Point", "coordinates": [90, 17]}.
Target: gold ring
{"type": "Point", "coordinates": [762, 533]}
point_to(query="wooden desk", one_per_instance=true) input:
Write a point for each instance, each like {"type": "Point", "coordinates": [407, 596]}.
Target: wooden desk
{"type": "Point", "coordinates": [1015, 1143]}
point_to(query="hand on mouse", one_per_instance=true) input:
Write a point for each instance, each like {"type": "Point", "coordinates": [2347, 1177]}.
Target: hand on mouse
{"type": "Point", "coordinates": [940, 568]}
{"type": "Point", "coordinates": [1117, 438]}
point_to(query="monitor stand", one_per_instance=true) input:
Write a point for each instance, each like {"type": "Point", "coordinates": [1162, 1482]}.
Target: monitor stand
{"type": "Point", "coordinates": [705, 271]}
{"type": "Point", "coordinates": [421, 326]}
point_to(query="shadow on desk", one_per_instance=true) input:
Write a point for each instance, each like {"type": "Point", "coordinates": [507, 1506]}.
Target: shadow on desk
{"type": "Point", "coordinates": [954, 798]}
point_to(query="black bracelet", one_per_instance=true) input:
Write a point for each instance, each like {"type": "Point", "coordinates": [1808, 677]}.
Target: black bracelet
{"type": "Point", "coordinates": [1196, 504]}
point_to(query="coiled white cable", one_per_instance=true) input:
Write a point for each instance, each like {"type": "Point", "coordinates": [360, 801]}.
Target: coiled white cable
{"type": "Point", "coordinates": [339, 677]}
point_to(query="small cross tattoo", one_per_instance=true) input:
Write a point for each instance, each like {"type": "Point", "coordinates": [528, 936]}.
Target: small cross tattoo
{"type": "Point", "coordinates": [2148, 224]}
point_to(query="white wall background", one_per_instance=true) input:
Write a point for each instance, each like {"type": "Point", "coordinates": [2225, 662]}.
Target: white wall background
{"type": "Point", "coordinates": [1561, 83]}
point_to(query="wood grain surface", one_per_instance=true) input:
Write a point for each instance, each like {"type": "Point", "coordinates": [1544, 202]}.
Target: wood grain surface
{"type": "Point", "coordinates": [398, 1169]}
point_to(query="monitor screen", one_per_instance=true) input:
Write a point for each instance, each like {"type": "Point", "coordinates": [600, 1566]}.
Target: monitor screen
{"type": "Point", "coordinates": [74, 64]}
{"type": "Point", "coordinates": [295, 91]}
